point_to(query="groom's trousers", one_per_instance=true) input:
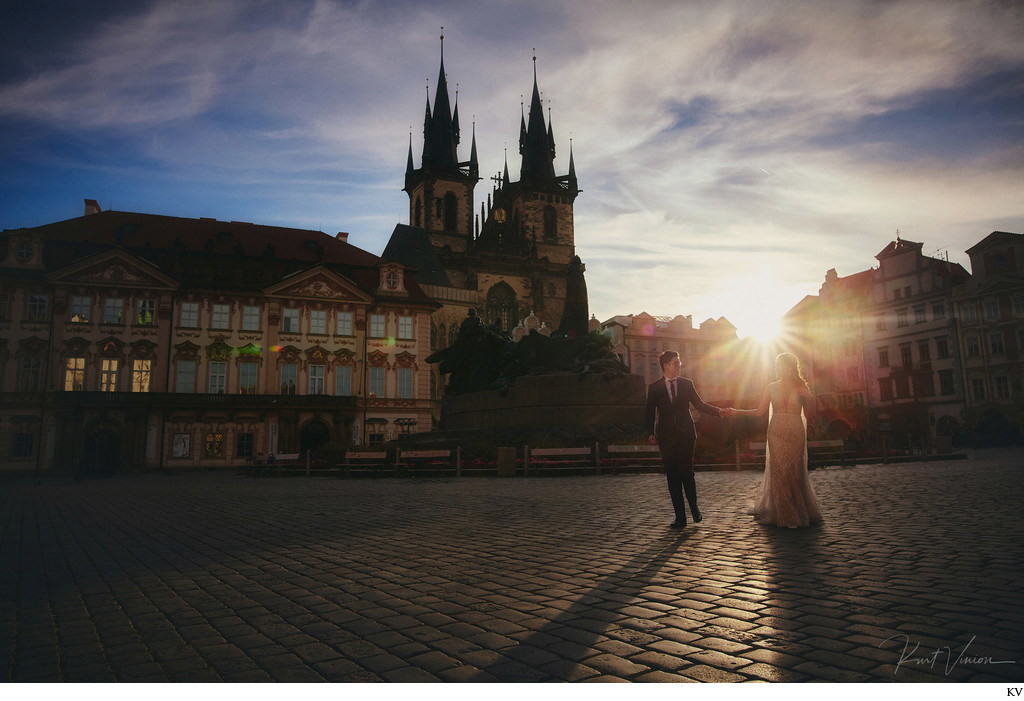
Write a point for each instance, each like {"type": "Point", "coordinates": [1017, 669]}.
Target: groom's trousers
{"type": "Point", "coordinates": [677, 457]}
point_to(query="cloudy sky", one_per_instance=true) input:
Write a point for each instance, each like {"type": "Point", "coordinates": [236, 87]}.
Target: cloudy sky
{"type": "Point", "coordinates": [730, 152]}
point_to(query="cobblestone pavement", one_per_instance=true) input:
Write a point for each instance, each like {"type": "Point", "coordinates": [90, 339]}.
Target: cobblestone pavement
{"type": "Point", "coordinates": [213, 576]}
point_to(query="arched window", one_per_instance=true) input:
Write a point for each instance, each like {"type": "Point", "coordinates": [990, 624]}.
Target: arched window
{"type": "Point", "coordinates": [550, 223]}
{"type": "Point", "coordinates": [451, 212]}
{"type": "Point", "coordinates": [502, 307]}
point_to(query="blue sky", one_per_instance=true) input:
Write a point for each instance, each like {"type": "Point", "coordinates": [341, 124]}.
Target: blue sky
{"type": "Point", "coordinates": [730, 152]}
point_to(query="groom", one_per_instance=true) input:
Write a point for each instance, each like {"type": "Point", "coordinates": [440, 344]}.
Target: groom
{"type": "Point", "coordinates": [669, 398]}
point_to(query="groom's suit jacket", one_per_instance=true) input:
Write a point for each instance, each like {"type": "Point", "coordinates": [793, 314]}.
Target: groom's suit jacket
{"type": "Point", "coordinates": [671, 421]}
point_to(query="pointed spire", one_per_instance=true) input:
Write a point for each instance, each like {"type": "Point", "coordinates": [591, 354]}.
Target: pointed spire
{"type": "Point", "coordinates": [538, 159]}
{"type": "Point", "coordinates": [472, 150]}
{"type": "Point", "coordinates": [441, 137]}
{"type": "Point", "coordinates": [572, 164]}
{"type": "Point", "coordinates": [504, 178]}
{"type": "Point", "coordinates": [408, 165]}
{"type": "Point", "coordinates": [455, 117]}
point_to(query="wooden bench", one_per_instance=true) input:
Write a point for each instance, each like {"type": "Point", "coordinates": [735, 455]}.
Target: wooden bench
{"type": "Point", "coordinates": [826, 452]}
{"type": "Point", "coordinates": [373, 462]}
{"type": "Point", "coordinates": [560, 458]}
{"type": "Point", "coordinates": [632, 457]}
{"type": "Point", "coordinates": [408, 462]}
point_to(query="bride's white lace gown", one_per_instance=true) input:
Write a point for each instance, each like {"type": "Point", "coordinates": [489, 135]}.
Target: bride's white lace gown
{"type": "Point", "coordinates": [786, 497]}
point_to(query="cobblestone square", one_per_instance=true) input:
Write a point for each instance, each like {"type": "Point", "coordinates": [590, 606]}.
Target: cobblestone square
{"type": "Point", "coordinates": [915, 576]}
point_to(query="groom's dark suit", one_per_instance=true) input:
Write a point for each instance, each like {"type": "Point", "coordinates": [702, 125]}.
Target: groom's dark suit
{"type": "Point", "coordinates": [676, 437]}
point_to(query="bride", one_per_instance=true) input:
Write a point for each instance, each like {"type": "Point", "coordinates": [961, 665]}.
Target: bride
{"type": "Point", "coordinates": [786, 497]}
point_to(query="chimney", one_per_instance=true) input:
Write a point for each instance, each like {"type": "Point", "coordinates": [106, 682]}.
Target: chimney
{"type": "Point", "coordinates": [342, 236]}
{"type": "Point", "coordinates": [92, 207]}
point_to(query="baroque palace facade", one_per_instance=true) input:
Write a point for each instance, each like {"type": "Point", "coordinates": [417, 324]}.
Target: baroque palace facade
{"type": "Point", "coordinates": [135, 342]}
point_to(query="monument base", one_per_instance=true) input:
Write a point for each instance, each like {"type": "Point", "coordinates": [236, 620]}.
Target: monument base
{"type": "Point", "coordinates": [568, 410]}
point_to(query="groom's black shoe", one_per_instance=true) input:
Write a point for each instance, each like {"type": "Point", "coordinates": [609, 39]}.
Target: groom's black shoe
{"type": "Point", "coordinates": [697, 515]}
{"type": "Point", "coordinates": [678, 524]}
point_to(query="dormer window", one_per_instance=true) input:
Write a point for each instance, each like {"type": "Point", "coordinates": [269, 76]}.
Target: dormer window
{"type": "Point", "coordinates": [391, 280]}
{"type": "Point", "coordinates": [23, 251]}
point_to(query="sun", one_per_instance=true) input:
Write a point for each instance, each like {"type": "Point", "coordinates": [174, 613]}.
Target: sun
{"type": "Point", "coordinates": [761, 327]}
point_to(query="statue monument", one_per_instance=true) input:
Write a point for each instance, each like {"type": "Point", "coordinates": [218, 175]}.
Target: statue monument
{"type": "Point", "coordinates": [571, 383]}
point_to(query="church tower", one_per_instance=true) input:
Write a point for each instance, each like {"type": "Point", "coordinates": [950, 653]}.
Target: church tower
{"type": "Point", "coordinates": [535, 213]}
{"type": "Point", "coordinates": [441, 190]}
{"type": "Point", "coordinates": [510, 259]}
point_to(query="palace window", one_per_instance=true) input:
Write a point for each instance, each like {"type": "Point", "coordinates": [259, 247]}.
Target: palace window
{"type": "Point", "coordinates": [316, 379]}
{"type": "Point", "coordinates": [973, 348]}
{"type": "Point", "coordinates": [218, 376]}
{"type": "Point", "coordinates": [185, 376]}
{"type": "Point", "coordinates": [318, 321]}
{"type": "Point", "coordinates": [939, 311]}
{"type": "Point", "coordinates": [243, 445]}
{"type": "Point", "coordinates": [74, 375]}
{"type": "Point", "coordinates": [901, 319]}
{"type": "Point", "coordinates": [377, 326]}
{"type": "Point", "coordinates": [924, 351]}
{"type": "Point", "coordinates": [919, 315]}
{"type": "Point", "coordinates": [942, 347]}
{"type": "Point", "coordinates": [80, 307]}
{"type": "Point", "coordinates": [968, 313]}
{"type": "Point", "coordinates": [147, 312]}
{"type": "Point", "coordinates": [220, 318]}
{"type": "Point", "coordinates": [883, 357]}
{"type": "Point", "coordinates": [289, 373]}
{"type": "Point", "coordinates": [290, 321]}
{"type": "Point", "coordinates": [189, 315]}
{"type": "Point", "coordinates": [343, 380]}
{"type": "Point", "coordinates": [113, 311]}
{"type": "Point", "coordinates": [247, 377]}
{"type": "Point", "coordinates": [37, 306]}
{"type": "Point", "coordinates": [405, 383]}
{"type": "Point", "coordinates": [141, 375]}
{"type": "Point", "coordinates": [405, 327]}
{"type": "Point", "coordinates": [250, 318]}
{"type": "Point", "coordinates": [108, 375]}
{"type": "Point", "coordinates": [344, 324]}
{"type": "Point", "coordinates": [377, 382]}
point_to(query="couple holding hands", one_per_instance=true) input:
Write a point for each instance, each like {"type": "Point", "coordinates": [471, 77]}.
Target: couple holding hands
{"type": "Point", "coordinates": [786, 497]}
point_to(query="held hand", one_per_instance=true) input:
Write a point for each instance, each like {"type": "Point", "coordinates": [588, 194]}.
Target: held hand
{"type": "Point", "coordinates": [652, 439]}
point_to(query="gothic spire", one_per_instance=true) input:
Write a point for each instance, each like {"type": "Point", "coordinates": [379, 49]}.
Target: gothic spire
{"type": "Point", "coordinates": [536, 146]}
{"type": "Point", "coordinates": [441, 132]}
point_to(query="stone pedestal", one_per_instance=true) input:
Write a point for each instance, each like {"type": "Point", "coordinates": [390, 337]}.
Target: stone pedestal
{"type": "Point", "coordinates": [550, 400]}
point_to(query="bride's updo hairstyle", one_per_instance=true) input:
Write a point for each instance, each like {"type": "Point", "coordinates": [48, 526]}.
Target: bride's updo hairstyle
{"type": "Point", "coordinates": [788, 367]}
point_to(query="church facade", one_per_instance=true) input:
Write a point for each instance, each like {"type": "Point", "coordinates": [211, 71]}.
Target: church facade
{"type": "Point", "coordinates": [509, 259]}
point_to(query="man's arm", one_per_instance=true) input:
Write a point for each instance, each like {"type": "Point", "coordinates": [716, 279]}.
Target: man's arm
{"type": "Point", "coordinates": [700, 405]}
{"type": "Point", "coordinates": [650, 414]}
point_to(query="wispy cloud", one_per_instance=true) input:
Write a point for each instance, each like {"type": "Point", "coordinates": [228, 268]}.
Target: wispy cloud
{"type": "Point", "coordinates": [719, 144]}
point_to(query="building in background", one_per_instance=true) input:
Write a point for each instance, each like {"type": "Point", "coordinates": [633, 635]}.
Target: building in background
{"type": "Point", "coordinates": [508, 260]}
{"type": "Point", "coordinates": [135, 342]}
{"type": "Point", "coordinates": [705, 352]}
{"type": "Point", "coordinates": [990, 309]}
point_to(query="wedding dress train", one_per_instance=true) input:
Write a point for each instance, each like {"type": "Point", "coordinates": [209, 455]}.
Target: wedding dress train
{"type": "Point", "coordinates": [786, 497]}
